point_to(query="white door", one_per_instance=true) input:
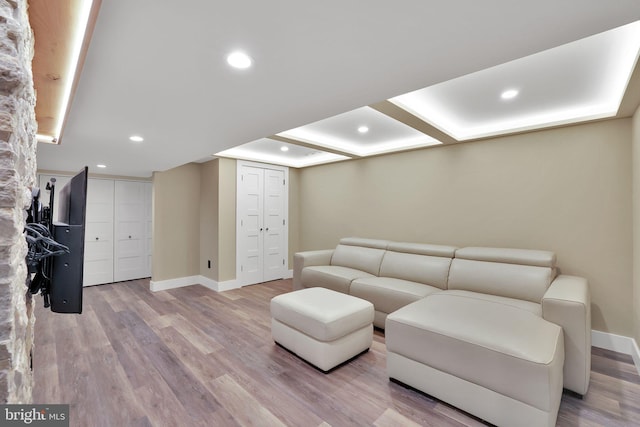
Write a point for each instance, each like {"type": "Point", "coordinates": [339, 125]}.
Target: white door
{"type": "Point", "coordinates": [274, 224]}
{"type": "Point", "coordinates": [130, 231]}
{"type": "Point", "coordinates": [98, 246]}
{"type": "Point", "coordinates": [250, 208]}
{"type": "Point", "coordinates": [261, 229]}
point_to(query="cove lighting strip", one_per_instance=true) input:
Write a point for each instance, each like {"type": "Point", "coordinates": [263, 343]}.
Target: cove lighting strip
{"type": "Point", "coordinates": [72, 68]}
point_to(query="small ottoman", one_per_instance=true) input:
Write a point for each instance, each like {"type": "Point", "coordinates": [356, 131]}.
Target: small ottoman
{"type": "Point", "coordinates": [322, 326]}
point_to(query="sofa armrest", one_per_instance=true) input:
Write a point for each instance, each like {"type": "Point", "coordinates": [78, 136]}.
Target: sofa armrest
{"type": "Point", "coordinates": [567, 303]}
{"type": "Point", "coordinates": [305, 259]}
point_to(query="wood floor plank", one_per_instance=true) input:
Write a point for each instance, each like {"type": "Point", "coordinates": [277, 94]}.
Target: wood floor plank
{"type": "Point", "coordinates": [391, 418]}
{"type": "Point", "coordinates": [194, 357]}
{"type": "Point", "coordinates": [243, 407]}
{"type": "Point", "coordinates": [205, 368]}
{"type": "Point", "coordinates": [121, 404]}
{"type": "Point", "coordinates": [195, 336]}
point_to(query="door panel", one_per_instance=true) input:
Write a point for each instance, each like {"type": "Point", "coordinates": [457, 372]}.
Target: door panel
{"type": "Point", "coordinates": [274, 219]}
{"type": "Point", "coordinates": [98, 246]}
{"type": "Point", "coordinates": [250, 206]}
{"type": "Point", "coordinates": [130, 256]}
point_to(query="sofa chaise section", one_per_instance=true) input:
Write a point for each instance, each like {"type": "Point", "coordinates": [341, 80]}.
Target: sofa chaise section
{"type": "Point", "coordinates": [494, 360]}
{"type": "Point", "coordinates": [528, 279]}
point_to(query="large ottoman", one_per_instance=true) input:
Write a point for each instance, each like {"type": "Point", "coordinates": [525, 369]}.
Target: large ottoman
{"type": "Point", "coordinates": [497, 361]}
{"type": "Point", "coordinates": [322, 326]}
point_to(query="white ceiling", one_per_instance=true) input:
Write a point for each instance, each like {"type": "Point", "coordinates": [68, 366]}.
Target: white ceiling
{"type": "Point", "coordinates": [158, 69]}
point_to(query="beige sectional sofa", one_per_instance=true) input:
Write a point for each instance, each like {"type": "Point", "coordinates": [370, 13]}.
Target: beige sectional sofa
{"type": "Point", "coordinates": [496, 332]}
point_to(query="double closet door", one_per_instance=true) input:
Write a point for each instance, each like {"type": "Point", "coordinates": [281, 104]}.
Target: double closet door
{"type": "Point", "coordinates": [261, 223]}
{"type": "Point", "coordinates": [117, 228]}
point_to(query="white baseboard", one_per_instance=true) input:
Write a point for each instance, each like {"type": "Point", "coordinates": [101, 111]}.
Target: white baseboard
{"type": "Point", "coordinates": [288, 275]}
{"type": "Point", "coordinates": [613, 342]}
{"type": "Point", "coordinates": [163, 285]}
{"type": "Point", "coordinates": [617, 343]}
{"type": "Point", "coordinates": [636, 356]}
{"type": "Point", "coordinates": [227, 285]}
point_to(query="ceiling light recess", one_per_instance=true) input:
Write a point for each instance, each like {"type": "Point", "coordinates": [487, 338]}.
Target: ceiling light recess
{"type": "Point", "coordinates": [136, 138]}
{"type": "Point", "coordinates": [363, 129]}
{"type": "Point", "coordinates": [239, 60]}
{"type": "Point", "coordinates": [284, 148]}
{"type": "Point", "coordinates": [337, 134]}
{"type": "Point", "coordinates": [101, 166]}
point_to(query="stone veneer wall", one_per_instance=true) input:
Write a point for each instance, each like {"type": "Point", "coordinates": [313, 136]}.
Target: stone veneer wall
{"type": "Point", "coordinates": [17, 175]}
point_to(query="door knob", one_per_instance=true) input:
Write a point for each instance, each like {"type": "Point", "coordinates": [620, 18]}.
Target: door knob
{"type": "Point", "coordinates": [97, 238]}
{"type": "Point", "coordinates": [267, 228]}
{"type": "Point", "coordinates": [129, 236]}
{"type": "Point", "coordinates": [261, 229]}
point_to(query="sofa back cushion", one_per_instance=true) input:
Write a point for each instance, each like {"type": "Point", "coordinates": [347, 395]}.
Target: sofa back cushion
{"type": "Point", "coordinates": [360, 254]}
{"type": "Point", "coordinates": [427, 264]}
{"type": "Point", "coordinates": [512, 273]}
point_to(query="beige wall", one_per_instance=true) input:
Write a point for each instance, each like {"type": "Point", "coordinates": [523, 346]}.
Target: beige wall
{"type": "Point", "coordinates": [227, 220]}
{"type": "Point", "coordinates": [209, 219]}
{"type": "Point", "coordinates": [294, 214]}
{"type": "Point", "coordinates": [636, 223]}
{"type": "Point", "coordinates": [176, 223]}
{"type": "Point", "coordinates": [565, 190]}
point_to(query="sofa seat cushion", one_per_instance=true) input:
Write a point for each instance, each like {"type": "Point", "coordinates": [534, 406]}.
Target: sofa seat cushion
{"type": "Point", "coordinates": [389, 294]}
{"type": "Point", "coordinates": [332, 277]}
{"type": "Point", "coordinates": [497, 346]}
{"type": "Point", "coordinates": [518, 303]}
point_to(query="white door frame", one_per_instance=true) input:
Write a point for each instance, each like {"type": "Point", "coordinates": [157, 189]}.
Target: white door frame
{"type": "Point", "coordinates": [239, 164]}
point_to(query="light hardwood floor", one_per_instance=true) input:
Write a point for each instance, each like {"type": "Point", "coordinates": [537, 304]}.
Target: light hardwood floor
{"type": "Point", "coordinates": [194, 357]}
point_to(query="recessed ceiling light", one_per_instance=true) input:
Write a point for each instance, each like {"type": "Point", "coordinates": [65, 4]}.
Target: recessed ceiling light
{"type": "Point", "coordinates": [363, 129]}
{"type": "Point", "coordinates": [239, 60]}
{"type": "Point", "coordinates": [101, 166]}
{"type": "Point", "coordinates": [509, 94]}
{"type": "Point", "coordinates": [284, 148]}
{"type": "Point", "coordinates": [136, 138]}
